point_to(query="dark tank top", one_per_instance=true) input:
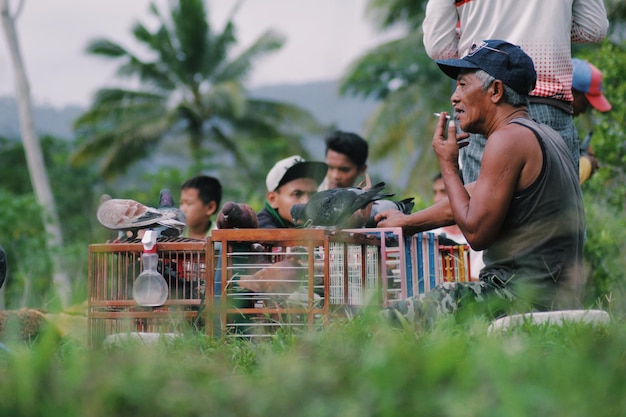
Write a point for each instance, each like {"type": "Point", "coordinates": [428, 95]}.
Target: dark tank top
{"type": "Point", "coordinates": [539, 252]}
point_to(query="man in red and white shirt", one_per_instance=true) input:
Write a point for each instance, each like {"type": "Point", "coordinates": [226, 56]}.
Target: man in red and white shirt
{"type": "Point", "coordinates": [545, 30]}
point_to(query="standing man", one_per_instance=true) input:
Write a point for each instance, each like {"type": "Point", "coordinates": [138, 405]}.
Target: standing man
{"type": "Point", "coordinates": [544, 30]}
{"type": "Point", "coordinates": [346, 157]}
{"type": "Point", "coordinates": [525, 210]}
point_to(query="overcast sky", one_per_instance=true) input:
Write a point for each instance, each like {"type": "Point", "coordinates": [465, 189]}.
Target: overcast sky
{"type": "Point", "coordinates": [323, 38]}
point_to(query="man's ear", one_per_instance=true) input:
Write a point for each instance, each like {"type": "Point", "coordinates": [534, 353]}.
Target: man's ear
{"type": "Point", "coordinates": [272, 199]}
{"type": "Point", "coordinates": [211, 208]}
{"type": "Point", "coordinates": [497, 88]}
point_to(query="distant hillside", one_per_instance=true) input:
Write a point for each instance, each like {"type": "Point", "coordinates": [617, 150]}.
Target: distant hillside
{"type": "Point", "coordinates": [323, 101]}
{"type": "Point", "coordinates": [320, 98]}
{"type": "Point", "coordinates": [48, 120]}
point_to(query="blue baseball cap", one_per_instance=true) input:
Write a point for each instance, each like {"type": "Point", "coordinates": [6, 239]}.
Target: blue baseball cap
{"type": "Point", "coordinates": [500, 59]}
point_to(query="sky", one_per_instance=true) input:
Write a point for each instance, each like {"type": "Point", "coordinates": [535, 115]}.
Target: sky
{"type": "Point", "coordinates": [323, 38]}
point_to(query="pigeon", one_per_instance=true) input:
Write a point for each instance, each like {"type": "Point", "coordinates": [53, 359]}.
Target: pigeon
{"type": "Point", "coordinates": [237, 216]}
{"type": "Point", "coordinates": [125, 215]}
{"type": "Point", "coordinates": [338, 207]}
{"type": "Point", "coordinates": [405, 206]}
{"type": "Point", "coordinates": [167, 206]}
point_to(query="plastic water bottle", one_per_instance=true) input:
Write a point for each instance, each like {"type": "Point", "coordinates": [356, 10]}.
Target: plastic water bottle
{"type": "Point", "coordinates": [150, 288]}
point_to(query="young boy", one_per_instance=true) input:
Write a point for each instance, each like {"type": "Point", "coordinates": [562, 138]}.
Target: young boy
{"type": "Point", "coordinates": [291, 180]}
{"type": "Point", "coordinates": [200, 198]}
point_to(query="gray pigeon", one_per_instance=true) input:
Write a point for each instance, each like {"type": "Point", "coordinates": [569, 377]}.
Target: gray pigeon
{"type": "Point", "coordinates": [337, 207]}
{"type": "Point", "coordinates": [405, 206]}
{"type": "Point", "coordinates": [167, 206]}
{"type": "Point", "coordinates": [125, 215]}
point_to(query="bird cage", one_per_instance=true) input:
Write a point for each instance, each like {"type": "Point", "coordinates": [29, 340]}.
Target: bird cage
{"type": "Point", "coordinates": [113, 268]}
{"type": "Point", "coordinates": [454, 265]}
{"type": "Point", "coordinates": [270, 279]}
{"type": "Point", "coordinates": [422, 263]}
{"type": "Point", "coordinates": [394, 258]}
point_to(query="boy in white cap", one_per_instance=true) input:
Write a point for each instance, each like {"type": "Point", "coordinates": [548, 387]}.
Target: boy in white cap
{"type": "Point", "coordinates": [291, 180]}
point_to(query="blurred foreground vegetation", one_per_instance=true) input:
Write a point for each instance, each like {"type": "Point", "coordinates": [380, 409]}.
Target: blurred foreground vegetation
{"type": "Point", "coordinates": [356, 368]}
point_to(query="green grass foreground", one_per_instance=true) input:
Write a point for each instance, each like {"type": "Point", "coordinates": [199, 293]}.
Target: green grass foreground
{"type": "Point", "coordinates": [356, 368]}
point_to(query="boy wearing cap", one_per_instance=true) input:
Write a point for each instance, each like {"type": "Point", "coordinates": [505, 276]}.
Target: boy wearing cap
{"type": "Point", "coordinates": [291, 180]}
{"type": "Point", "coordinates": [587, 90]}
{"type": "Point", "coordinates": [525, 209]}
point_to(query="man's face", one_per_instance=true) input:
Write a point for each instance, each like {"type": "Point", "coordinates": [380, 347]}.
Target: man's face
{"type": "Point", "coordinates": [342, 172]}
{"type": "Point", "coordinates": [298, 191]}
{"type": "Point", "coordinates": [470, 102]}
{"type": "Point", "coordinates": [439, 190]}
{"type": "Point", "coordinates": [580, 103]}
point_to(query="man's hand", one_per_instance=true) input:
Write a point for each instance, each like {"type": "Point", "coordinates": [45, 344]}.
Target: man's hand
{"type": "Point", "coordinates": [447, 148]}
{"type": "Point", "coordinates": [390, 218]}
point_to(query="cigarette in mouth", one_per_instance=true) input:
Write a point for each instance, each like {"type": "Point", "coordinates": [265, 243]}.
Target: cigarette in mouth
{"type": "Point", "coordinates": [439, 114]}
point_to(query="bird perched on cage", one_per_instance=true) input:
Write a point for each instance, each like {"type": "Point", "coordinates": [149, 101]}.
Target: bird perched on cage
{"type": "Point", "coordinates": [279, 279]}
{"type": "Point", "coordinates": [338, 207]}
{"type": "Point", "coordinates": [237, 216]}
{"type": "Point", "coordinates": [405, 206]}
{"type": "Point", "coordinates": [126, 215]}
{"type": "Point", "coordinates": [167, 206]}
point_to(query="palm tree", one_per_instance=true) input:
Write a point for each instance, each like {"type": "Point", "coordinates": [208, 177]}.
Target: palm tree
{"type": "Point", "coordinates": [190, 89]}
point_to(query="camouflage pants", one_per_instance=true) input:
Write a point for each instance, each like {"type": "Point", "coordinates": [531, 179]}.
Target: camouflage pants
{"type": "Point", "coordinates": [490, 298]}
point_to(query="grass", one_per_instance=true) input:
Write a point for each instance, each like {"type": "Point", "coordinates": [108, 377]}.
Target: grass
{"type": "Point", "coordinates": [359, 368]}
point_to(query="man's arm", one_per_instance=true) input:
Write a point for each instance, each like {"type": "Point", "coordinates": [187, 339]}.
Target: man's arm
{"type": "Point", "coordinates": [440, 37]}
{"type": "Point", "coordinates": [589, 21]}
{"type": "Point", "coordinates": [511, 162]}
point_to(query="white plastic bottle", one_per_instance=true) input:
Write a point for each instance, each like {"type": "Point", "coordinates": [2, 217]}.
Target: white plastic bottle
{"type": "Point", "coordinates": [150, 288]}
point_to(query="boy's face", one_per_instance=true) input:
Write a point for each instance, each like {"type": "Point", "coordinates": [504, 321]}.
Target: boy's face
{"type": "Point", "coordinates": [297, 191]}
{"type": "Point", "coordinates": [342, 172]}
{"type": "Point", "coordinates": [197, 213]}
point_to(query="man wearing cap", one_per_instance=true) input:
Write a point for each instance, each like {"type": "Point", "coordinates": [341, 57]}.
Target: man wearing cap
{"type": "Point", "coordinates": [525, 209]}
{"type": "Point", "coordinates": [544, 30]}
{"type": "Point", "coordinates": [587, 90]}
{"type": "Point", "coordinates": [291, 180]}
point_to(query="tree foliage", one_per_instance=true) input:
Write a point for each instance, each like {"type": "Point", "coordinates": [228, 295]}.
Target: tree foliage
{"type": "Point", "coordinates": [190, 89]}
{"type": "Point", "coordinates": [21, 229]}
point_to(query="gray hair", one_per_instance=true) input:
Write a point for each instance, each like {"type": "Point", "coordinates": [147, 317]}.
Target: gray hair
{"type": "Point", "coordinates": [510, 96]}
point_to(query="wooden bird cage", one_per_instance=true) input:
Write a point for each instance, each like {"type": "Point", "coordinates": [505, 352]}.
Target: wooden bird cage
{"type": "Point", "coordinates": [291, 279]}
{"type": "Point", "coordinates": [113, 268]}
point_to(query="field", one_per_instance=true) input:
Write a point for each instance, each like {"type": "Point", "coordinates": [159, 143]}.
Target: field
{"type": "Point", "coordinates": [358, 367]}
